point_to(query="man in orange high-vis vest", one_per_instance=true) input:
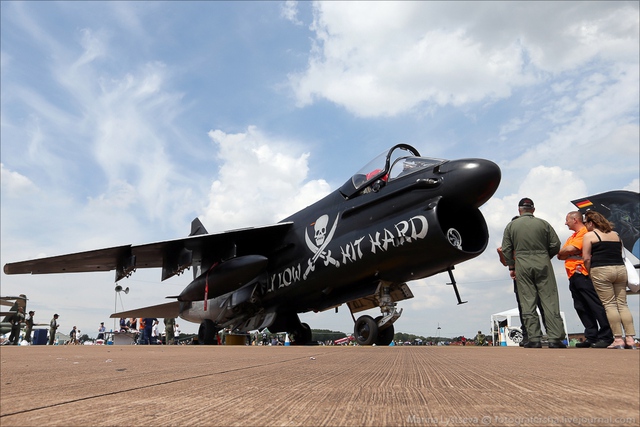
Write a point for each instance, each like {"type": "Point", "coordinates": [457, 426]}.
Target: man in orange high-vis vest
{"type": "Point", "coordinates": [586, 302]}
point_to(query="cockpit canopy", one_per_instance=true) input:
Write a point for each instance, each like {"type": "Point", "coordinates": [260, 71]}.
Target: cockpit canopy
{"type": "Point", "coordinates": [400, 161]}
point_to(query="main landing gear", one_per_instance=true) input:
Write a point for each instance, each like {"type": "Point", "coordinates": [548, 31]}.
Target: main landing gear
{"type": "Point", "coordinates": [207, 333]}
{"type": "Point", "coordinates": [378, 331]}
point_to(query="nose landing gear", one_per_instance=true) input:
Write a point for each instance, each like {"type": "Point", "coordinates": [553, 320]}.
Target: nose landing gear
{"type": "Point", "coordinates": [378, 331]}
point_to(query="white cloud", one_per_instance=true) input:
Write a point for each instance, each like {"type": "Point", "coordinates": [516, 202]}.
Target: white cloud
{"type": "Point", "coordinates": [289, 10]}
{"type": "Point", "coordinates": [14, 183]}
{"type": "Point", "coordinates": [592, 126]}
{"type": "Point", "coordinates": [261, 180]}
{"type": "Point", "coordinates": [633, 186]}
{"type": "Point", "coordinates": [387, 58]}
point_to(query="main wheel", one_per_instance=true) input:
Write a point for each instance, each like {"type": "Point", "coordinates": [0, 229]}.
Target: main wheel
{"type": "Point", "coordinates": [207, 333]}
{"type": "Point", "coordinates": [302, 335]}
{"type": "Point", "coordinates": [365, 330]}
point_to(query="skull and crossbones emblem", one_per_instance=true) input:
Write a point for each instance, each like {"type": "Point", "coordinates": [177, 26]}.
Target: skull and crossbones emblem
{"type": "Point", "coordinates": [322, 239]}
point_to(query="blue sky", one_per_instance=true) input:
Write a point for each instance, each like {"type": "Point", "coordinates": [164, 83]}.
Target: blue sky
{"type": "Point", "coordinates": [121, 122]}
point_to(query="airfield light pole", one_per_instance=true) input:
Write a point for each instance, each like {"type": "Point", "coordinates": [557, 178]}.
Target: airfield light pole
{"type": "Point", "coordinates": [438, 340]}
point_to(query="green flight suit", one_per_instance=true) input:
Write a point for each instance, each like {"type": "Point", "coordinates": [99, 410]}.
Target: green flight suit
{"type": "Point", "coordinates": [169, 324]}
{"type": "Point", "coordinates": [529, 243]}
{"type": "Point", "coordinates": [28, 329]}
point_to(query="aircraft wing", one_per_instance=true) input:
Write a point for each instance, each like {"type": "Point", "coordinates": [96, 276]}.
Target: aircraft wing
{"type": "Point", "coordinates": [622, 208]}
{"type": "Point", "coordinates": [11, 300]}
{"type": "Point", "coordinates": [166, 310]}
{"type": "Point", "coordinates": [172, 255]}
{"type": "Point", "coordinates": [8, 313]}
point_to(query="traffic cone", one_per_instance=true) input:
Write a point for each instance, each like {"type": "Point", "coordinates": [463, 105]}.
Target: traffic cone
{"type": "Point", "coordinates": [286, 339]}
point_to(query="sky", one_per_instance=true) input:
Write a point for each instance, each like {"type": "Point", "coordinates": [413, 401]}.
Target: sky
{"type": "Point", "coordinates": [123, 121]}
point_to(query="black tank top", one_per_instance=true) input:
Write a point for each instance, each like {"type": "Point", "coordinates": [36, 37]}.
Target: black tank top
{"type": "Point", "coordinates": [606, 253]}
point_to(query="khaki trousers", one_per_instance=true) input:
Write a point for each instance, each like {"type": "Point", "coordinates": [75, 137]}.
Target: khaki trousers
{"type": "Point", "coordinates": [610, 282]}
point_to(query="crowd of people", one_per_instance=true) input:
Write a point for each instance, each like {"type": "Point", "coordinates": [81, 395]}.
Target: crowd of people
{"type": "Point", "coordinates": [593, 257]}
{"type": "Point", "coordinates": [147, 331]}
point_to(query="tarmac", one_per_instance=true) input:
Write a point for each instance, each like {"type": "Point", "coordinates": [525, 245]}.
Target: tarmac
{"type": "Point", "coordinates": [317, 386]}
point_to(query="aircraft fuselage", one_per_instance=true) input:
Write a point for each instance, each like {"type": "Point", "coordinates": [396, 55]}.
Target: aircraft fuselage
{"type": "Point", "coordinates": [412, 227]}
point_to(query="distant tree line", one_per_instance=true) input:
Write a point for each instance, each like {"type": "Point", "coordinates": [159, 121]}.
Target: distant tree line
{"type": "Point", "coordinates": [328, 335]}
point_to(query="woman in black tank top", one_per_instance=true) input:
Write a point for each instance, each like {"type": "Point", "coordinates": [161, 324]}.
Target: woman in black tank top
{"type": "Point", "coordinates": [602, 254]}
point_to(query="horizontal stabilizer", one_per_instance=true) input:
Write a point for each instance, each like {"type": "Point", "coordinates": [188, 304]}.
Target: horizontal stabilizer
{"type": "Point", "coordinates": [167, 310]}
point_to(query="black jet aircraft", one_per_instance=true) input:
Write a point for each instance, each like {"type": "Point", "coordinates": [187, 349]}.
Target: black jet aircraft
{"type": "Point", "coordinates": [620, 207]}
{"type": "Point", "coordinates": [402, 217]}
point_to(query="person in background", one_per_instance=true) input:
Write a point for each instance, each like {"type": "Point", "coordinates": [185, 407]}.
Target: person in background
{"type": "Point", "coordinates": [169, 324]}
{"type": "Point", "coordinates": [155, 335]}
{"type": "Point", "coordinates": [53, 327]}
{"type": "Point", "coordinates": [586, 302]}
{"type": "Point", "coordinates": [602, 254]}
{"type": "Point", "coordinates": [16, 323]}
{"type": "Point", "coordinates": [123, 325]}
{"type": "Point", "coordinates": [528, 244]}
{"type": "Point", "coordinates": [148, 329]}
{"type": "Point", "coordinates": [176, 332]}
{"type": "Point", "coordinates": [73, 336]}
{"type": "Point", "coordinates": [101, 331]}
{"type": "Point", "coordinates": [29, 328]}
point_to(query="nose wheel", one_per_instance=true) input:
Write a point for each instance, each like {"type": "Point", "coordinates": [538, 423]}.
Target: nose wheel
{"type": "Point", "coordinates": [365, 330]}
{"type": "Point", "coordinates": [379, 331]}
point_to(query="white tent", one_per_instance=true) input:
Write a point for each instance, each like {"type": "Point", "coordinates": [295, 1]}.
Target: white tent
{"type": "Point", "coordinates": [509, 316]}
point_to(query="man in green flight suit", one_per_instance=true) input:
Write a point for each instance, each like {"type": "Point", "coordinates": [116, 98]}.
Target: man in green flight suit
{"type": "Point", "coordinates": [169, 325]}
{"type": "Point", "coordinates": [29, 328]}
{"type": "Point", "coordinates": [528, 244]}
{"type": "Point", "coordinates": [16, 323]}
{"type": "Point", "coordinates": [53, 327]}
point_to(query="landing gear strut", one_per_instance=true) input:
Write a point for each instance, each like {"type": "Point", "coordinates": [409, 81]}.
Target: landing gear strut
{"type": "Point", "coordinates": [378, 331]}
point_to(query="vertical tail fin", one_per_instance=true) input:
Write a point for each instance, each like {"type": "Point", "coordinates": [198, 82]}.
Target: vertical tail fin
{"type": "Point", "coordinates": [20, 301]}
{"type": "Point", "coordinates": [197, 228]}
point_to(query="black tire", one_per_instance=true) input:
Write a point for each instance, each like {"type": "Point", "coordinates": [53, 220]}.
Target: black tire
{"type": "Point", "coordinates": [385, 336]}
{"type": "Point", "coordinates": [207, 333]}
{"type": "Point", "coordinates": [365, 330]}
{"type": "Point", "coordinates": [302, 335]}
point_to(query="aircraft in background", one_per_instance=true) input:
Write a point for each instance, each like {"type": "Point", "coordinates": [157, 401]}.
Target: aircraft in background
{"type": "Point", "coordinates": [14, 303]}
{"type": "Point", "coordinates": [345, 340]}
{"type": "Point", "coordinates": [620, 207]}
{"type": "Point", "coordinates": [402, 217]}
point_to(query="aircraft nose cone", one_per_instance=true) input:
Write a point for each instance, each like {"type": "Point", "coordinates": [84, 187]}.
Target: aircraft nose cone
{"type": "Point", "coordinates": [476, 180]}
